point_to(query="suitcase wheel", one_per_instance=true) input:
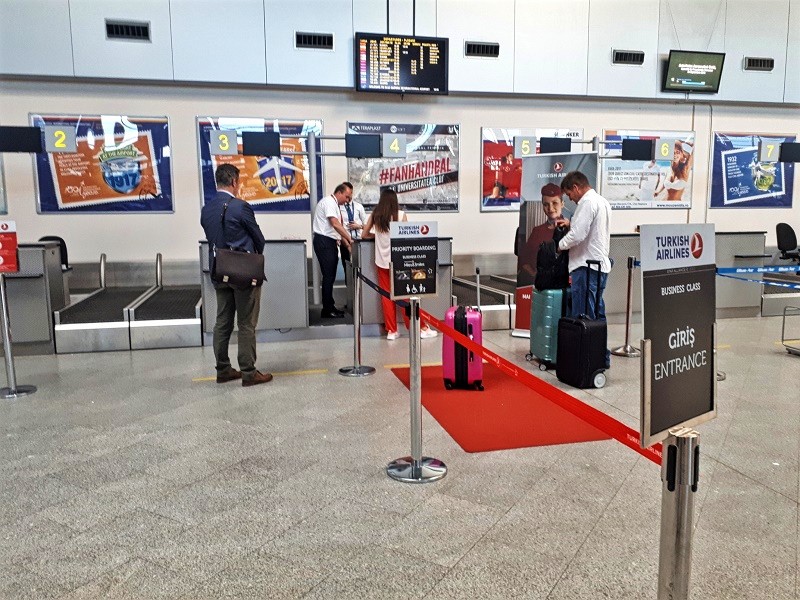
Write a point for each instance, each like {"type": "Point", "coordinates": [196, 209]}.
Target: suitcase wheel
{"type": "Point", "coordinates": [599, 379]}
{"type": "Point", "coordinates": [529, 357]}
{"type": "Point", "coordinates": [543, 366]}
{"type": "Point", "coordinates": [479, 386]}
{"type": "Point", "coordinates": [448, 385]}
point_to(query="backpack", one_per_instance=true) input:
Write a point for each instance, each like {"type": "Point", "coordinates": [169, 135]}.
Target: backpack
{"type": "Point", "coordinates": [552, 268]}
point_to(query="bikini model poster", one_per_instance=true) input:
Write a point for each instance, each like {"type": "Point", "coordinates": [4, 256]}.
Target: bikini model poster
{"type": "Point", "coordinates": [665, 182]}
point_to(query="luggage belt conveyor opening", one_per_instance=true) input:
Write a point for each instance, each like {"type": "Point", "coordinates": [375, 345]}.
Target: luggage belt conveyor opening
{"type": "Point", "coordinates": [167, 317]}
{"type": "Point", "coordinates": [496, 304]}
{"type": "Point", "coordinates": [97, 322]}
{"type": "Point", "coordinates": [126, 318]}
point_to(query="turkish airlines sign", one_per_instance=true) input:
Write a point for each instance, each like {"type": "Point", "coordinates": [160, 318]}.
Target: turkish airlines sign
{"type": "Point", "coordinates": [676, 246]}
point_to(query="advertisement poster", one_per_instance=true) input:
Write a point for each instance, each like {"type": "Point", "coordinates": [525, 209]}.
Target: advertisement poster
{"type": "Point", "coordinates": [740, 180]}
{"type": "Point", "coordinates": [426, 180]}
{"type": "Point", "coordinates": [501, 173]}
{"type": "Point", "coordinates": [3, 198]}
{"type": "Point", "coordinates": [121, 164]}
{"type": "Point", "coordinates": [269, 183]}
{"type": "Point", "coordinates": [538, 171]}
{"type": "Point", "coordinates": [665, 182]}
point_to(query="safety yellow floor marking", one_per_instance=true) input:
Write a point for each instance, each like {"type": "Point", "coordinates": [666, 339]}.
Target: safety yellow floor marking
{"type": "Point", "coordinates": [406, 365]}
{"type": "Point", "coordinates": [723, 347]}
{"type": "Point", "coordinates": [305, 372]}
{"type": "Point", "coordinates": [789, 342]}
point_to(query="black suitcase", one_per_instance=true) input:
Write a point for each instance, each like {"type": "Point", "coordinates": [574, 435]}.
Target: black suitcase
{"type": "Point", "coordinates": [581, 352]}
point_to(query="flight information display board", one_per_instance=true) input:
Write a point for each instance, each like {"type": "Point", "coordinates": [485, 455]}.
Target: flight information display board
{"type": "Point", "coordinates": [400, 64]}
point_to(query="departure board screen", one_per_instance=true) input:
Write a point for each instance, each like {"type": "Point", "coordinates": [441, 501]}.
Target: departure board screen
{"type": "Point", "coordinates": [401, 64]}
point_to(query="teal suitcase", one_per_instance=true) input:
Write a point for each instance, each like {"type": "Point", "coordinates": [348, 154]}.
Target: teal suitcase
{"type": "Point", "coordinates": [547, 307]}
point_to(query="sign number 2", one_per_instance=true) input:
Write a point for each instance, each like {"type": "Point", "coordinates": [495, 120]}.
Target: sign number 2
{"type": "Point", "coordinates": [61, 138]}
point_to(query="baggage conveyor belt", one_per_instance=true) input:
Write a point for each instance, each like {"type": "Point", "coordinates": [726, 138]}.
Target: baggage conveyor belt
{"type": "Point", "coordinates": [97, 322]}
{"type": "Point", "coordinates": [167, 317]}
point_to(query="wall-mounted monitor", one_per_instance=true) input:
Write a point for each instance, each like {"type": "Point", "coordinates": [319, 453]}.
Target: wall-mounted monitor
{"type": "Point", "coordinates": [400, 63]}
{"type": "Point", "coordinates": [693, 71]}
{"type": "Point", "coordinates": [362, 146]}
{"type": "Point", "coordinates": [638, 149]}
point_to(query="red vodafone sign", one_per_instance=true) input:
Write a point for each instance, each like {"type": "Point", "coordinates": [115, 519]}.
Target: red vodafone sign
{"type": "Point", "coordinates": [8, 247]}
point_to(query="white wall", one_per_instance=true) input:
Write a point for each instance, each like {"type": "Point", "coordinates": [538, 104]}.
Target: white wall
{"type": "Point", "coordinates": [139, 237]}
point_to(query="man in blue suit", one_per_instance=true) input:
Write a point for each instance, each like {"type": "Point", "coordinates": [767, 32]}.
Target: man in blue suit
{"type": "Point", "coordinates": [239, 230]}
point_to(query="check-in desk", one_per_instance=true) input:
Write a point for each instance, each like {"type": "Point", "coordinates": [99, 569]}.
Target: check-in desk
{"type": "Point", "coordinates": [284, 295]}
{"type": "Point", "coordinates": [371, 312]}
{"type": "Point", "coordinates": [734, 298]}
{"type": "Point", "coordinates": [33, 294]}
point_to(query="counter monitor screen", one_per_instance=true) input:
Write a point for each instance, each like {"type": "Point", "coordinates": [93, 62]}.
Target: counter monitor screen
{"type": "Point", "coordinates": [400, 64]}
{"type": "Point", "coordinates": [693, 71]}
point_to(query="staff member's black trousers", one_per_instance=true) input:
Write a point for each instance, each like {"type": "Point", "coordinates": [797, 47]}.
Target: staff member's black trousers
{"type": "Point", "coordinates": [327, 251]}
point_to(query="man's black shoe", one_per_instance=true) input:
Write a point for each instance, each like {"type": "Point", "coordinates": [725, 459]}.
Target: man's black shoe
{"type": "Point", "coordinates": [332, 314]}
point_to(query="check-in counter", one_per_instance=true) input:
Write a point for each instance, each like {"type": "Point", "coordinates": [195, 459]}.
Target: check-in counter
{"type": "Point", "coordinates": [734, 298]}
{"type": "Point", "coordinates": [284, 295]}
{"type": "Point", "coordinates": [33, 294]}
{"type": "Point", "coordinates": [371, 311]}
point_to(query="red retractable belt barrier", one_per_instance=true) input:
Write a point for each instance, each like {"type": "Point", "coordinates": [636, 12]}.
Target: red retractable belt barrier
{"type": "Point", "coordinates": [619, 431]}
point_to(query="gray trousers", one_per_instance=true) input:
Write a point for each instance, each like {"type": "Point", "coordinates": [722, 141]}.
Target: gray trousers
{"type": "Point", "coordinates": [244, 306]}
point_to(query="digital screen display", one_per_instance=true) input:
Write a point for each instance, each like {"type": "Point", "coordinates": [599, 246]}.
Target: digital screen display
{"type": "Point", "coordinates": [401, 64]}
{"type": "Point", "coordinates": [693, 71]}
{"type": "Point", "coordinates": [21, 139]}
{"type": "Point", "coordinates": [261, 143]}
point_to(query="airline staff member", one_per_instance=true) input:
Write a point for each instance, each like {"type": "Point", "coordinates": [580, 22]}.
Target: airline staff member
{"type": "Point", "coordinates": [353, 217]}
{"type": "Point", "coordinates": [328, 234]}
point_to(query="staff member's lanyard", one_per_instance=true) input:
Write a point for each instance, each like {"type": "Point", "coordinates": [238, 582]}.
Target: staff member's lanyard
{"type": "Point", "coordinates": [349, 208]}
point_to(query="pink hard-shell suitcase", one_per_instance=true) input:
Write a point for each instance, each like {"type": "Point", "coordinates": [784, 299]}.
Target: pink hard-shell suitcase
{"type": "Point", "coordinates": [461, 367]}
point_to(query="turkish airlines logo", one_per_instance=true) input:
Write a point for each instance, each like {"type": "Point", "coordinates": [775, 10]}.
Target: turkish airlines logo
{"type": "Point", "coordinates": [4, 226]}
{"type": "Point", "coordinates": [696, 245]}
{"type": "Point", "coordinates": [558, 167]}
{"type": "Point", "coordinates": [424, 229]}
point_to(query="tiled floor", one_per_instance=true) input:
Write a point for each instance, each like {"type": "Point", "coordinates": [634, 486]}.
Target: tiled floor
{"type": "Point", "coordinates": [129, 475]}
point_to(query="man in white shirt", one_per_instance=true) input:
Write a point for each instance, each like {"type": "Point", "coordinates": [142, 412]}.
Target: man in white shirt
{"type": "Point", "coordinates": [353, 218]}
{"type": "Point", "coordinates": [589, 238]}
{"type": "Point", "coordinates": [328, 234]}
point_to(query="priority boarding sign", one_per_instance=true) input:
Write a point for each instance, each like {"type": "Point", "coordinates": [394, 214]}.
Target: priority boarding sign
{"type": "Point", "coordinates": [678, 313]}
{"type": "Point", "coordinates": [414, 251]}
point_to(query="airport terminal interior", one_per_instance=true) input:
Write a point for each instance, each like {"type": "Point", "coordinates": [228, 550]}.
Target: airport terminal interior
{"type": "Point", "coordinates": [130, 472]}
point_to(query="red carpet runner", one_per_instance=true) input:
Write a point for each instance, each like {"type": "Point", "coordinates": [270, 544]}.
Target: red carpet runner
{"type": "Point", "coordinates": [507, 415]}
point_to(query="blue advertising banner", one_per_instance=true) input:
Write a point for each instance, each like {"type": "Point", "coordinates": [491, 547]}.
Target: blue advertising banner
{"type": "Point", "coordinates": [740, 180]}
{"type": "Point", "coordinates": [268, 184]}
{"type": "Point", "coordinates": [118, 164]}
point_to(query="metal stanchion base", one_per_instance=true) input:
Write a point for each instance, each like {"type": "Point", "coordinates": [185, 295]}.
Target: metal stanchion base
{"type": "Point", "coordinates": [429, 469]}
{"type": "Point", "coordinates": [22, 390]}
{"type": "Point", "coordinates": [361, 371]}
{"type": "Point", "coordinates": [626, 350]}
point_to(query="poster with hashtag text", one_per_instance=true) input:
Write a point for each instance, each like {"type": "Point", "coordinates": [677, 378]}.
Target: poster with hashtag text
{"type": "Point", "coordinates": [426, 180]}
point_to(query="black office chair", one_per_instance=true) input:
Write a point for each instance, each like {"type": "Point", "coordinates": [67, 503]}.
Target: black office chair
{"type": "Point", "coordinates": [787, 242]}
{"type": "Point", "coordinates": [62, 247]}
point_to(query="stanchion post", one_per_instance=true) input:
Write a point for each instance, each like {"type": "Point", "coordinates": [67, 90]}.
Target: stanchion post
{"type": "Point", "coordinates": [316, 290]}
{"type": "Point", "coordinates": [13, 390]}
{"type": "Point", "coordinates": [679, 476]}
{"type": "Point", "coordinates": [416, 468]}
{"type": "Point", "coordinates": [627, 349]}
{"type": "Point", "coordinates": [357, 370]}
{"type": "Point", "coordinates": [159, 270]}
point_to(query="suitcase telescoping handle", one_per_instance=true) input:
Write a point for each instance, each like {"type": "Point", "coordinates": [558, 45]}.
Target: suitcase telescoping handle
{"type": "Point", "coordinates": [478, 286]}
{"type": "Point", "coordinates": [589, 264]}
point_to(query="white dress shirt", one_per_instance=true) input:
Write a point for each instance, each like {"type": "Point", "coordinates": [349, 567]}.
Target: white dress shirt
{"type": "Point", "coordinates": [589, 236]}
{"type": "Point", "coordinates": [327, 207]}
{"type": "Point", "coordinates": [359, 217]}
